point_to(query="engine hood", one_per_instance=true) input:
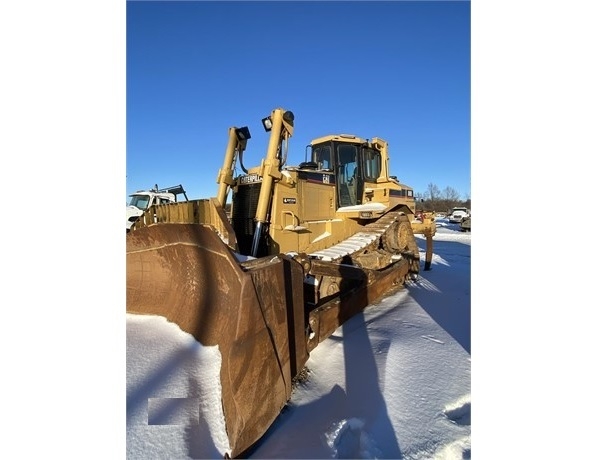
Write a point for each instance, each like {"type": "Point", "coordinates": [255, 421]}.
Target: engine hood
{"type": "Point", "coordinates": [132, 211]}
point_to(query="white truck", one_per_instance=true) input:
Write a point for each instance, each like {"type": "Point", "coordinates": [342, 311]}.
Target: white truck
{"type": "Point", "coordinates": [458, 214]}
{"type": "Point", "coordinates": [143, 199]}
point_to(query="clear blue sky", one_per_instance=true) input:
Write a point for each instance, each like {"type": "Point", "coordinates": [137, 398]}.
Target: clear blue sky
{"type": "Point", "coordinates": [396, 70]}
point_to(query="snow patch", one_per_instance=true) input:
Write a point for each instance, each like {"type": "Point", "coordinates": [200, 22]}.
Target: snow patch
{"type": "Point", "coordinates": [347, 439]}
{"type": "Point", "coordinates": [459, 411]}
{"type": "Point", "coordinates": [457, 450]}
{"type": "Point", "coordinates": [173, 393]}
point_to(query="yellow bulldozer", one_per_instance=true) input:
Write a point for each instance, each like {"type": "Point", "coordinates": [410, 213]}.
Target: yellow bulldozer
{"type": "Point", "coordinates": [303, 249]}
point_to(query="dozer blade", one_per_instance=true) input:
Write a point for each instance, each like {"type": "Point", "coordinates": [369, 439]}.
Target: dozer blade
{"type": "Point", "coordinates": [252, 311]}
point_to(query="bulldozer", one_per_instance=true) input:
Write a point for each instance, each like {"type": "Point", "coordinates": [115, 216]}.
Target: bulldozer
{"type": "Point", "coordinates": [302, 249]}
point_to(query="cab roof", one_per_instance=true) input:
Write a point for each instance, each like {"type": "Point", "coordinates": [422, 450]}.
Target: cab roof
{"type": "Point", "coordinates": [340, 138]}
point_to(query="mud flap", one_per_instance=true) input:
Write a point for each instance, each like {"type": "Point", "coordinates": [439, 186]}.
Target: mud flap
{"type": "Point", "coordinates": [253, 312]}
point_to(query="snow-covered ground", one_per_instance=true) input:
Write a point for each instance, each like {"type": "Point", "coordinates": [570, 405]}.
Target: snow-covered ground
{"type": "Point", "coordinates": [392, 382]}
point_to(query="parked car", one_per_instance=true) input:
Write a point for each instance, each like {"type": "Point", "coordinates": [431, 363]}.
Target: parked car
{"type": "Point", "coordinates": [458, 214]}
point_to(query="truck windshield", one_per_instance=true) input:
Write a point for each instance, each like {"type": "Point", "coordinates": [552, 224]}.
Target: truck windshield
{"type": "Point", "coordinates": [140, 201]}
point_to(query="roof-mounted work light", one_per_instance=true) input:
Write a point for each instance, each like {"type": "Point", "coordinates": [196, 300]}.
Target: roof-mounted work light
{"type": "Point", "coordinates": [267, 123]}
{"type": "Point", "coordinates": [243, 133]}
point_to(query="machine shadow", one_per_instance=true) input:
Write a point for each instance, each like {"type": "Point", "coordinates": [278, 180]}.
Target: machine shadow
{"type": "Point", "coordinates": [445, 291]}
{"type": "Point", "coordinates": [363, 390]}
{"type": "Point", "coordinates": [357, 414]}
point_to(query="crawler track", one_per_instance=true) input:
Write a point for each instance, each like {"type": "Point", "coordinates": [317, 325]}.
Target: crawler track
{"type": "Point", "coordinates": [391, 234]}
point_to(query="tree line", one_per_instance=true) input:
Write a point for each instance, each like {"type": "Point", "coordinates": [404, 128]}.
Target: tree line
{"type": "Point", "coordinates": [434, 199]}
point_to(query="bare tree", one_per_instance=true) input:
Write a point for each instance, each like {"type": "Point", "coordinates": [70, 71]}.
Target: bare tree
{"type": "Point", "coordinates": [433, 194]}
{"type": "Point", "coordinates": [451, 194]}
{"type": "Point", "coordinates": [451, 197]}
{"type": "Point", "coordinates": [435, 200]}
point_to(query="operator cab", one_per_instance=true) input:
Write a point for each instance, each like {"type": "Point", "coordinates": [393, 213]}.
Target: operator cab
{"type": "Point", "coordinates": [353, 162]}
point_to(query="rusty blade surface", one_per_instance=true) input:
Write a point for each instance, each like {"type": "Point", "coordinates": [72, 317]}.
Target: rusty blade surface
{"type": "Point", "coordinates": [254, 313]}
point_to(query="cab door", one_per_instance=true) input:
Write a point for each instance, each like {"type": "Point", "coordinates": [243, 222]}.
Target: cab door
{"type": "Point", "coordinates": [348, 176]}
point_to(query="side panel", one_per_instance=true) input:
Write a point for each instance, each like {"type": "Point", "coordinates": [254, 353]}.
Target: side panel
{"type": "Point", "coordinates": [303, 213]}
{"type": "Point", "coordinates": [317, 193]}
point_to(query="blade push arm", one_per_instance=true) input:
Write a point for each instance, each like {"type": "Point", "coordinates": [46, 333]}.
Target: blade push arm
{"type": "Point", "coordinates": [238, 138]}
{"type": "Point", "coordinates": [280, 124]}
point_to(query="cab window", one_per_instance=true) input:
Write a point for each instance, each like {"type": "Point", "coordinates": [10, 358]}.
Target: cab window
{"type": "Point", "coordinates": [372, 165]}
{"type": "Point", "coordinates": [322, 157]}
